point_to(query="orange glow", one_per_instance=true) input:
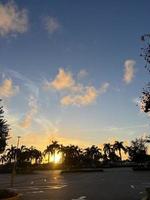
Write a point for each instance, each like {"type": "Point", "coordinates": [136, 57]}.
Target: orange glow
{"type": "Point", "coordinates": [56, 158]}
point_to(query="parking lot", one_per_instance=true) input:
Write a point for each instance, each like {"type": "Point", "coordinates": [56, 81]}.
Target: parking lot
{"type": "Point", "coordinates": [112, 184]}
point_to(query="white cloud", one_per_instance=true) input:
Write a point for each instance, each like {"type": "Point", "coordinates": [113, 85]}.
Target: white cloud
{"type": "Point", "coordinates": [82, 74]}
{"type": "Point", "coordinates": [129, 71]}
{"type": "Point", "coordinates": [26, 122]}
{"type": "Point", "coordinates": [87, 96]}
{"type": "Point", "coordinates": [75, 93]}
{"type": "Point", "coordinates": [104, 88]}
{"type": "Point", "coordinates": [52, 25]}
{"type": "Point", "coordinates": [12, 20]}
{"type": "Point", "coordinates": [30, 85]}
{"type": "Point", "coordinates": [7, 89]}
{"type": "Point", "coordinates": [63, 80]}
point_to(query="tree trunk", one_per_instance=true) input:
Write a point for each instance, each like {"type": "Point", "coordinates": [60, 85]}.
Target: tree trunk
{"type": "Point", "coordinates": [120, 154]}
{"type": "Point", "coordinates": [48, 157]}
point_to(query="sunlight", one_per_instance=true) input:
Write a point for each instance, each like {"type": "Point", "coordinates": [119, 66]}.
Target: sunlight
{"type": "Point", "coordinates": [56, 158]}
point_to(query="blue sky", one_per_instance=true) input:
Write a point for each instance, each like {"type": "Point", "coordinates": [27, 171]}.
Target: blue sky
{"type": "Point", "coordinates": [71, 70]}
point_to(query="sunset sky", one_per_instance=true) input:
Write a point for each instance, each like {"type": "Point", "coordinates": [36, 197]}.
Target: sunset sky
{"type": "Point", "coordinates": [71, 70]}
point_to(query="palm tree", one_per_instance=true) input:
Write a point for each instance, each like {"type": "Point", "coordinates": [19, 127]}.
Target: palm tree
{"type": "Point", "coordinates": [51, 150]}
{"type": "Point", "coordinates": [118, 146]}
{"type": "Point", "coordinates": [107, 148]}
{"type": "Point", "coordinates": [48, 151]}
{"type": "Point", "coordinates": [35, 154]}
{"type": "Point", "coordinates": [93, 152]}
{"type": "Point", "coordinates": [22, 154]}
{"type": "Point", "coordinates": [3, 159]}
{"type": "Point", "coordinates": [92, 155]}
{"type": "Point", "coordinates": [55, 147]}
{"type": "Point", "coordinates": [11, 152]}
{"type": "Point", "coordinates": [71, 154]}
{"type": "Point", "coordinates": [19, 155]}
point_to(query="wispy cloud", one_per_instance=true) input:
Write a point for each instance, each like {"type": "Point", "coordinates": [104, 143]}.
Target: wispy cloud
{"type": "Point", "coordinates": [46, 132]}
{"type": "Point", "coordinates": [7, 88]}
{"type": "Point", "coordinates": [12, 20]}
{"type": "Point", "coordinates": [31, 86]}
{"type": "Point", "coordinates": [82, 74]}
{"type": "Point", "coordinates": [52, 25]}
{"type": "Point", "coordinates": [104, 88]}
{"type": "Point", "coordinates": [129, 71]}
{"type": "Point", "coordinates": [26, 122]}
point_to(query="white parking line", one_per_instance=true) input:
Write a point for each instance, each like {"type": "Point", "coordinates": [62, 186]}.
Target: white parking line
{"type": "Point", "coordinates": [40, 187]}
{"type": "Point", "coordinates": [80, 198]}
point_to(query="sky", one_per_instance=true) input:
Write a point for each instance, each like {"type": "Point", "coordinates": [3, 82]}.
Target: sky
{"type": "Point", "coordinates": [71, 70]}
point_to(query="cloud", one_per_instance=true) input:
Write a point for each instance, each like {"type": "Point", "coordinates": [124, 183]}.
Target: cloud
{"type": "Point", "coordinates": [12, 20]}
{"type": "Point", "coordinates": [88, 96]}
{"type": "Point", "coordinates": [46, 131]}
{"type": "Point", "coordinates": [85, 99]}
{"type": "Point", "coordinates": [26, 122]}
{"type": "Point", "coordinates": [30, 85]}
{"type": "Point", "coordinates": [104, 88]}
{"type": "Point", "coordinates": [75, 93]}
{"type": "Point", "coordinates": [129, 71]}
{"type": "Point", "coordinates": [82, 74]}
{"type": "Point", "coordinates": [63, 80]}
{"type": "Point", "coordinates": [7, 89]}
{"type": "Point", "coordinates": [52, 25]}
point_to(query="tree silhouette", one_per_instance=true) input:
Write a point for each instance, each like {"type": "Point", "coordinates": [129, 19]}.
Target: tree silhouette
{"type": "Point", "coordinates": [22, 155]}
{"type": "Point", "coordinates": [145, 97]}
{"type": "Point", "coordinates": [51, 150]}
{"type": "Point", "coordinates": [107, 150]}
{"type": "Point", "coordinates": [11, 152]}
{"type": "Point", "coordinates": [138, 150]}
{"type": "Point", "coordinates": [118, 146]}
{"type": "Point", "coordinates": [3, 158]}
{"type": "Point", "coordinates": [109, 153]}
{"type": "Point", "coordinates": [93, 153]}
{"type": "Point", "coordinates": [35, 154]}
{"type": "Point", "coordinates": [4, 129]}
{"type": "Point", "coordinates": [71, 155]}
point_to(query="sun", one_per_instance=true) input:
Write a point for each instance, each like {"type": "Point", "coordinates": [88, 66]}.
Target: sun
{"type": "Point", "coordinates": [56, 158]}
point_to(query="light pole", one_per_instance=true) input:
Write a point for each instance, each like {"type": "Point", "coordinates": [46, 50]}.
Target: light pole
{"type": "Point", "coordinates": [14, 165]}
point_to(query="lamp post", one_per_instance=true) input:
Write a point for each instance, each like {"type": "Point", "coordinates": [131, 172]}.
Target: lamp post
{"type": "Point", "coordinates": [14, 165]}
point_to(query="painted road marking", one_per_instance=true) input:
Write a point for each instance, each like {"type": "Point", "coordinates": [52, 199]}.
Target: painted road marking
{"type": "Point", "coordinates": [80, 198]}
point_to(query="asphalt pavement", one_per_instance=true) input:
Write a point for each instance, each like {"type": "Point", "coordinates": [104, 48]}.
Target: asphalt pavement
{"type": "Point", "coordinates": [112, 184]}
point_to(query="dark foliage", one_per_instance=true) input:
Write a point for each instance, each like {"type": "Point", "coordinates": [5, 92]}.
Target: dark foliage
{"type": "Point", "coordinates": [4, 129]}
{"type": "Point", "coordinates": [145, 53]}
{"type": "Point", "coordinates": [73, 157]}
{"type": "Point", "coordinates": [138, 150]}
{"type": "Point", "coordinates": [146, 50]}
